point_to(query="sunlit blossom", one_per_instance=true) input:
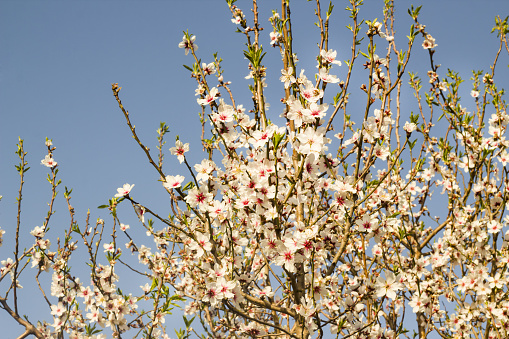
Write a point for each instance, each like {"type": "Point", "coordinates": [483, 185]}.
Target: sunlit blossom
{"type": "Point", "coordinates": [124, 190]}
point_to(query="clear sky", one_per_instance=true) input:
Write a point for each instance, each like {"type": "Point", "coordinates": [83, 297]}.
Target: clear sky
{"type": "Point", "coordinates": [59, 58]}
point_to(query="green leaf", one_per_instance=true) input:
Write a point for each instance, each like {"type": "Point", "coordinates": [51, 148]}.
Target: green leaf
{"type": "Point", "coordinates": [187, 321]}
{"type": "Point", "coordinates": [394, 215]}
{"type": "Point", "coordinates": [255, 55]}
{"type": "Point", "coordinates": [329, 11]}
{"type": "Point", "coordinates": [276, 139]}
{"type": "Point", "coordinates": [189, 185]}
{"type": "Point", "coordinates": [154, 284]}
{"type": "Point", "coordinates": [180, 333]}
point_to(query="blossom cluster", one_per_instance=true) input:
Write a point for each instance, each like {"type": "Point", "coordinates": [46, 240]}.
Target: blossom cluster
{"type": "Point", "coordinates": [282, 231]}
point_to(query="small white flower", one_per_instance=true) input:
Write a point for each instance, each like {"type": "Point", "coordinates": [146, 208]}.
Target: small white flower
{"type": "Point", "coordinates": [494, 226]}
{"type": "Point", "coordinates": [388, 286]}
{"type": "Point", "coordinates": [179, 150]}
{"type": "Point", "coordinates": [429, 42]}
{"type": "Point", "coordinates": [48, 161]}
{"type": "Point", "coordinates": [38, 231]}
{"type": "Point", "coordinates": [330, 57]}
{"type": "Point", "coordinates": [173, 181]}
{"type": "Point", "coordinates": [287, 77]}
{"type": "Point", "coordinates": [109, 247]}
{"type": "Point", "coordinates": [274, 37]}
{"type": "Point", "coordinates": [140, 212]}
{"type": "Point", "coordinates": [188, 44]}
{"type": "Point", "coordinates": [58, 310]}
{"type": "Point", "coordinates": [124, 190]}
{"type": "Point", "coordinates": [409, 127]}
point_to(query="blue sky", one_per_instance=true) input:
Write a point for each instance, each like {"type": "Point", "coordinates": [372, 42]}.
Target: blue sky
{"type": "Point", "coordinates": [58, 60]}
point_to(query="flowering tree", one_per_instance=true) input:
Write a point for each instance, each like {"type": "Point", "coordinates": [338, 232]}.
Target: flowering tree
{"type": "Point", "coordinates": [303, 229]}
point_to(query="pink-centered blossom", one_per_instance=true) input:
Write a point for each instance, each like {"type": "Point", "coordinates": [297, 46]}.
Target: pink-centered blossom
{"type": "Point", "coordinates": [409, 127]}
{"type": "Point", "coordinates": [124, 190]}
{"type": "Point", "coordinates": [140, 212]}
{"type": "Point", "coordinates": [173, 181]}
{"type": "Point", "coordinates": [329, 57]}
{"type": "Point", "coordinates": [48, 161]}
{"type": "Point", "coordinates": [311, 141]}
{"type": "Point", "coordinates": [326, 77]}
{"type": "Point", "coordinates": [38, 231]}
{"type": "Point", "coordinates": [274, 37]}
{"type": "Point", "coordinates": [287, 77]}
{"type": "Point", "coordinates": [58, 310]}
{"type": "Point", "coordinates": [429, 42]}
{"type": "Point", "coordinates": [388, 286]}
{"type": "Point", "coordinates": [199, 197]}
{"type": "Point", "coordinates": [367, 224]}
{"type": "Point", "coordinates": [209, 97]}
{"type": "Point", "coordinates": [310, 92]}
{"type": "Point", "coordinates": [109, 247]}
{"type": "Point", "coordinates": [201, 244]}
{"type": "Point", "coordinates": [494, 226]}
{"type": "Point", "coordinates": [188, 44]}
{"type": "Point", "coordinates": [179, 150]}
